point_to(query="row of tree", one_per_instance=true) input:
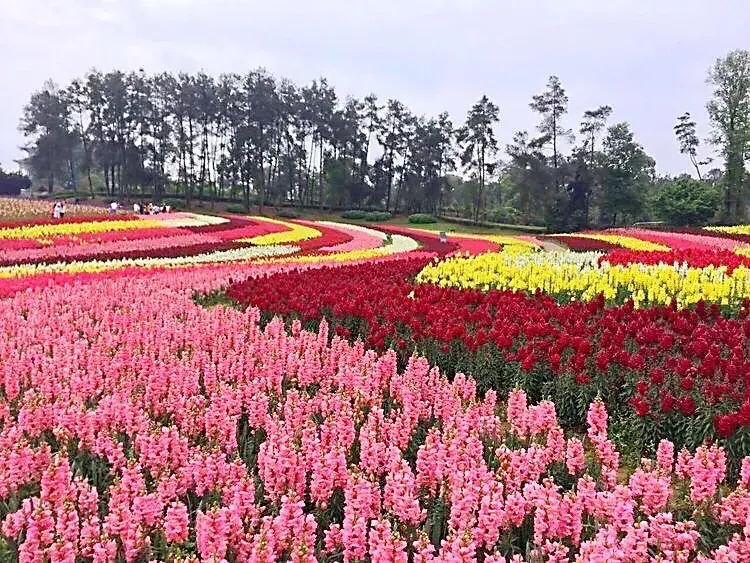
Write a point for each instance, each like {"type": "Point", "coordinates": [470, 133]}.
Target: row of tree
{"type": "Point", "coordinates": [268, 141]}
{"type": "Point", "coordinates": [11, 183]}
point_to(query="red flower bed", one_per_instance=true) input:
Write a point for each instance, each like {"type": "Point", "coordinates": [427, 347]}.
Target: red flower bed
{"type": "Point", "coordinates": [692, 257]}
{"type": "Point", "coordinates": [659, 363]}
{"type": "Point", "coordinates": [329, 237]}
{"type": "Point", "coordinates": [430, 242]}
{"type": "Point", "coordinates": [75, 219]}
{"type": "Point", "coordinates": [82, 239]}
{"type": "Point", "coordinates": [581, 244]}
{"type": "Point", "coordinates": [235, 222]}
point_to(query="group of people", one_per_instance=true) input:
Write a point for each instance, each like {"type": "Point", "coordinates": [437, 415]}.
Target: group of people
{"type": "Point", "coordinates": [140, 208]}
{"type": "Point", "coordinates": [150, 209]}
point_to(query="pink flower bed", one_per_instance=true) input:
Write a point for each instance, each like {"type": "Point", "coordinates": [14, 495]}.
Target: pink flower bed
{"type": "Point", "coordinates": [682, 241]}
{"type": "Point", "coordinates": [360, 241]}
{"type": "Point", "coordinates": [204, 277]}
{"type": "Point", "coordinates": [139, 426]}
{"type": "Point", "coordinates": [107, 249]}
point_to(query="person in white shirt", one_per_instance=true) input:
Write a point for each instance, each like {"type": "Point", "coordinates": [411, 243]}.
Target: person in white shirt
{"type": "Point", "coordinates": [56, 210]}
{"type": "Point", "coordinates": [113, 207]}
{"type": "Point", "coordinates": [137, 208]}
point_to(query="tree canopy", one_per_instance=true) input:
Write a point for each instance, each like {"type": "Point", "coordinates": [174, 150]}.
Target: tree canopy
{"type": "Point", "coordinates": [263, 140]}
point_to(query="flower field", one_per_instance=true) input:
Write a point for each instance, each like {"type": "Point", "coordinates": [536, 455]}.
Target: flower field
{"type": "Point", "coordinates": [185, 387]}
{"type": "Point", "coordinates": [26, 209]}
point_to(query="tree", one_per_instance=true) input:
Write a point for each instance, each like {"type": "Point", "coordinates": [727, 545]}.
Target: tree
{"type": "Point", "coordinates": [12, 183]}
{"type": "Point", "coordinates": [264, 140]}
{"type": "Point", "coordinates": [78, 102]}
{"type": "Point", "coordinates": [529, 175]}
{"type": "Point", "coordinates": [594, 121]}
{"type": "Point", "coordinates": [46, 118]}
{"type": "Point", "coordinates": [686, 201]}
{"type": "Point", "coordinates": [479, 145]}
{"type": "Point", "coordinates": [689, 143]}
{"type": "Point", "coordinates": [627, 174]}
{"type": "Point", "coordinates": [392, 136]}
{"type": "Point", "coordinates": [729, 111]}
{"type": "Point", "coordinates": [552, 104]}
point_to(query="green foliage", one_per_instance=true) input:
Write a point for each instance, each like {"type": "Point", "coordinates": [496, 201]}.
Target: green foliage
{"type": "Point", "coordinates": [685, 201]}
{"type": "Point", "coordinates": [729, 112]}
{"type": "Point", "coordinates": [421, 219]}
{"type": "Point", "coordinates": [628, 173]}
{"type": "Point", "coordinates": [237, 209]}
{"type": "Point", "coordinates": [479, 145]}
{"type": "Point", "coordinates": [375, 216]}
{"type": "Point", "coordinates": [356, 214]}
{"type": "Point", "coordinates": [506, 214]}
{"type": "Point", "coordinates": [287, 213]}
{"type": "Point", "coordinates": [13, 183]}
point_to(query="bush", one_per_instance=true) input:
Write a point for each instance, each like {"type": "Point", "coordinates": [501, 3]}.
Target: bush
{"type": "Point", "coordinates": [237, 209]}
{"type": "Point", "coordinates": [287, 213]}
{"type": "Point", "coordinates": [507, 214]}
{"type": "Point", "coordinates": [174, 204]}
{"type": "Point", "coordinates": [354, 214]}
{"type": "Point", "coordinates": [421, 219]}
{"type": "Point", "coordinates": [377, 216]}
{"type": "Point", "coordinates": [686, 202]}
{"type": "Point", "coordinates": [12, 184]}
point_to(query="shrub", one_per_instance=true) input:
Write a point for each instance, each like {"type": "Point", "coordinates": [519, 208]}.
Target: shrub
{"type": "Point", "coordinates": [686, 201]}
{"type": "Point", "coordinates": [354, 214]}
{"type": "Point", "coordinates": [287, 213]}
{"type": "Point", "coordinates": [421, 219]}
{"type": "Point", "coordinates": [377, 216]}
{"type": "Point", "coordinates": [12, 184]}
{"type": "Point", "coordinates": [174, 203]}
{"type": "Point", "coordinates": [238, 209]}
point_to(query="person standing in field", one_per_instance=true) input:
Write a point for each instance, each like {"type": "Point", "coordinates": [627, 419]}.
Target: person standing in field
{"type": "Point", "coordinates": [63, 209]}
{"type": "Point", "coordinates": [113, 208]}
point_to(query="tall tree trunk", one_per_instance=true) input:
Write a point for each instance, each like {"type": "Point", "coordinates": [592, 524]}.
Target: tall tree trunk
{"type": "Point", "coordinates": [191, 160]}
{"type": "Point", "coordinates": [389, 179]}
{"type": "Point", "coordinates": [697, 168]}
{"type": "Point", "coordinates": [73, 181]}
{"type": "Point", "coordinates": [320, 174]}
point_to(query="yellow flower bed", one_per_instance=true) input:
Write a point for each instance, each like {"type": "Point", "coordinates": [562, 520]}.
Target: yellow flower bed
{"type": "Point", "coordinates": [295, 233]}
{"type": "Point", "coordinates": [631, 243]}
{"type": "Point", "coordinates": [734, 230]}
{"type": "Point", "coordinates": [337, 256]}
{"type": "Point", "coordinates": [72, 229]}
{"type": "Point", "coordinates": [581, 277]}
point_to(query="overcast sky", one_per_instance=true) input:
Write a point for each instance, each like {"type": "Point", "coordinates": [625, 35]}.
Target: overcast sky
{"type": "Point", "coordinates": [646, 58]}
